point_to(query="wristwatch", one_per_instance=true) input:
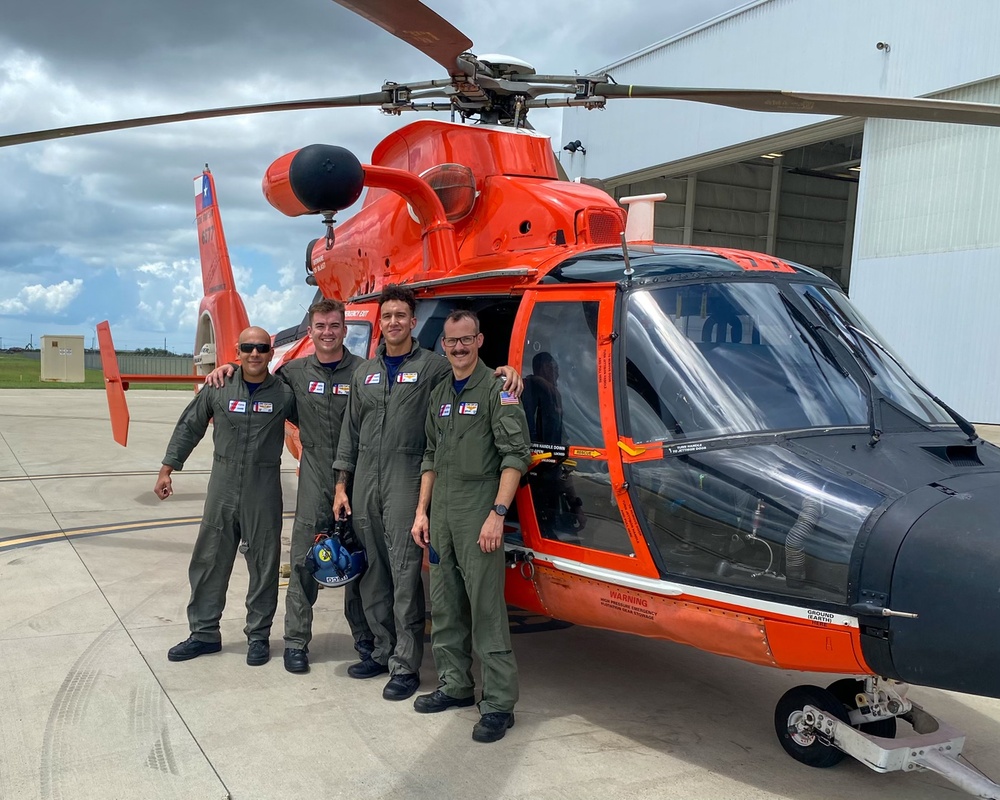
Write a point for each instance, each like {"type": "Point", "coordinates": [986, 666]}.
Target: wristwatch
{"type": "Point", "coordinates": [501, 509]}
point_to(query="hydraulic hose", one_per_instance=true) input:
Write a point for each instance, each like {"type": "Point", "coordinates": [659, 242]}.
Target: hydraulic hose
{"type": "Point", "coordinates": [805, 525]}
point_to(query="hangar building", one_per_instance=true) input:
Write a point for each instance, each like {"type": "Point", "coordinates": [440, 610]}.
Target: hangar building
{"type": "Point", "coordinates": [905, 215]}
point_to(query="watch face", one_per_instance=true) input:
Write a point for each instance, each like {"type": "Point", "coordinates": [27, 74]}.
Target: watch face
{"type": "Point", "coordinates": [500, 509]}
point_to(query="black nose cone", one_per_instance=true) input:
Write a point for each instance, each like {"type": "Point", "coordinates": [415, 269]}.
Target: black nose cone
{"type": "Point", "coordinates": [947, 571]}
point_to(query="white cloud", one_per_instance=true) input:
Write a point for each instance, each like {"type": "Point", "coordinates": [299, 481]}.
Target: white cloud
{"type": "Point", "coordinates": [36, 298]}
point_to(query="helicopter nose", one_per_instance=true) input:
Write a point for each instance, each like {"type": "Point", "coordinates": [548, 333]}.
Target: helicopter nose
{"type": "Point", "coordinates": [947, 573]}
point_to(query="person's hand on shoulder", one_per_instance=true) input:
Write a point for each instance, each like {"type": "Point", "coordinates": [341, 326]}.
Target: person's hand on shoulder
{"type": "Point", "coordinates": [218, 376]}
{"type": "Point", "coordinates": [511, 380]}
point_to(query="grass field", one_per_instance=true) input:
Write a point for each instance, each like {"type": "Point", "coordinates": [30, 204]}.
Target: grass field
{"type": "Point", "coordinates": [18, 372]}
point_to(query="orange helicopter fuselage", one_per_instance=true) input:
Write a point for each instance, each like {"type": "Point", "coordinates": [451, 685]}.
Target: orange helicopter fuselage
{"type": "Point", "coordinates": [523, 222]}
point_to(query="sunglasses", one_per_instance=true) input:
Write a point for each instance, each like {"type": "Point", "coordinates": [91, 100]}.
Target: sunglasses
{"type": "Point", "coordinates": [260, 347]}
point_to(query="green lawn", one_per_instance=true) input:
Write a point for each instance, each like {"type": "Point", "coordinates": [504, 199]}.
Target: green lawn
{"type": "Point", "coordinates": [19, 372]}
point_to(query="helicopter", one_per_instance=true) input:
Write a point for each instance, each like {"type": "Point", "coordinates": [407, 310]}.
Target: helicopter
{"type": "Point", "coordinates": [725, 453]}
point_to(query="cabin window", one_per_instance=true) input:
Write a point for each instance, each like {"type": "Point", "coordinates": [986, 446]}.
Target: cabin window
{"type": "Point", "coordinates": [358, 338]}
{"type": "Point", "coordinates": [573, 498]}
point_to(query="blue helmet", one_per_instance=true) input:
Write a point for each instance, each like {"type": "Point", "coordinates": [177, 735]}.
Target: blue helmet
{"type": "Point", "coordinates": [336, 558]}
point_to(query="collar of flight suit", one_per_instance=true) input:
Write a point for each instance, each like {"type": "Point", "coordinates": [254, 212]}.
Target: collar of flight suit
{"type": "Point", "coordinates": [380, 350]}
{"type": "Point", "coordinates": [269, 378]}
{"type": "Point", "coordinates": [348, 361]}
{"type": "Point", "coordinates": [479, 374]}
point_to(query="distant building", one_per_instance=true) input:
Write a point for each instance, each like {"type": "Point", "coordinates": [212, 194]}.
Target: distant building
{"type": "Point", "coordinates": [905, 215]}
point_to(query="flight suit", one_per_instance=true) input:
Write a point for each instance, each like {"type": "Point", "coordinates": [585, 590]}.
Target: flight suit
{"type": "Point", "coordinates": [382, 443]}
{"type": "Point", "coordinates": [244, 498]}
{"type": "Point", "coordinates": [321, 397]}
{"type": "Point", "coordinates": [471, 438]}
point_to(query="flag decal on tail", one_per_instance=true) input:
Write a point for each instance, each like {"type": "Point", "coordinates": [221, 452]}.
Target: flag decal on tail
{"type": "Point", "coordinates": [202, 193]}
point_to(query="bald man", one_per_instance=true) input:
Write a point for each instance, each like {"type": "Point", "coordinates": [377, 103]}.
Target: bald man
{"type": "Point", "coordinates": [244, 496]}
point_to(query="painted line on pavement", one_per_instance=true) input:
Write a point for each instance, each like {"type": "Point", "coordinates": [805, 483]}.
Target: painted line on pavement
{"type": "Point", "coordinates": [19, 540]}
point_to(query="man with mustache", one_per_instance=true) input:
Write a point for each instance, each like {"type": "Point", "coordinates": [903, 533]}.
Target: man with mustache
{"type": "Point", "coordinates": [477, 450]}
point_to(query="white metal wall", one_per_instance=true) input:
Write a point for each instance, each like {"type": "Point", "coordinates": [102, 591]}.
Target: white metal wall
{"type": "Point", "coordinates": [926, 259]}
{"type": "Point", "coordinates": [808, 45]}
{"type": "Point", "coordinates": [926, 268]}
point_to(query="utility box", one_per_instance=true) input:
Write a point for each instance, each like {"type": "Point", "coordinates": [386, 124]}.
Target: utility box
{"type": "Point", "coordinates": [62, 359]}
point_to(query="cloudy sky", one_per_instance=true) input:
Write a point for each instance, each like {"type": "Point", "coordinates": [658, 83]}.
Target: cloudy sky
{"type": "Point", "coordinates": [102, 227]}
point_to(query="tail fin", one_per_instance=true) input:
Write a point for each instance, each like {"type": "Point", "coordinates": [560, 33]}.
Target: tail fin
{"type": "Point", "coordinates": [222, 315]}
{"type": "Point", "coordinates": [117, 405]}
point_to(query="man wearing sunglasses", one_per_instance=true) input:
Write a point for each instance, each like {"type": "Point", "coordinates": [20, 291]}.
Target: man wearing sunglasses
{"type": "Point", "coordinates": [244, 496]}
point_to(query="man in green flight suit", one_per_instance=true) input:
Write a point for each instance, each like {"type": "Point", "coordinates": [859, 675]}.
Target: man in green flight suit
{"type": "Point", "coordinates": [244, 496]}
{"type": "Point", "coordinates": [477, 450]}
{"type": "Point", "coordinates": [381, 445]}
{"type": "Point", "coordinates": [321, 383]}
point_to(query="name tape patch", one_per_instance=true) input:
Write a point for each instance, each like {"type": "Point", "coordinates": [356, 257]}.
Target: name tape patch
{"type": "Point", "coordinates": [261, 407]}
{"type": "Point", "coordinates": [341, 388]}
{"type": "Point", "coordinates": [468, 408]}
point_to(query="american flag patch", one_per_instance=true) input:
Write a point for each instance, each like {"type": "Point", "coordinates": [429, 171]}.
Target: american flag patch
{"type": "Point", "coordinates": [238, 406]}
{"type": "Point", "coordinates": [317, 387]}
{"type": "Point", "coordinates": [508, 399]}
{"type": "Point", "coordinates": [261, 407]}
{"type": "Point", "coordinates": [468, 408]}
{"type": "Point", "coordinates": [341, 388]}
{"type": "Point", "coordinates": [374, 377]}
{"type": "Point", "coordinates": [445, 410]}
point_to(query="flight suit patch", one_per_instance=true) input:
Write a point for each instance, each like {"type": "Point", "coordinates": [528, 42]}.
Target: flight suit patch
{"type": "Point", "coordinates": [373, 377]}
{"type": "Point", "coordinates": [261, 407]}
{"type": "Point", "coordinates": [508, 399]}
{"type": "Point", "coordinates": [468, 408]}
{"type": "Point", "coordinates": [445, 410]}
{"type": "Point", "coordinates": [238, 406]}
{"type": "Point", "coordinates": [407, 377]}
{"type": "Point", "coordinates": [341, 388]}
{"type": "Point", "coordinates": [317, 387]}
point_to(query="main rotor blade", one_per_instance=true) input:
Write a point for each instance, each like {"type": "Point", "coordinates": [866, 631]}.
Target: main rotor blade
{"type": "Point", "coordinates": [840, 105]}
{"type": "Point", "coordinates": [373, 99]}
{"type": "Point", "coordinates": [417, 25]}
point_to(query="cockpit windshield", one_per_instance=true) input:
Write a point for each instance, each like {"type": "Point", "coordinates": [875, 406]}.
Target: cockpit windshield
{"type": "Point", "coordinates": [711, 359]}
{"type": "Point", "coordinates": [883, 366]}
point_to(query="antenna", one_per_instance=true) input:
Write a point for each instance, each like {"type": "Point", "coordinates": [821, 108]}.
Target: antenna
{"type": "Point", "coordinates": [629, 272]}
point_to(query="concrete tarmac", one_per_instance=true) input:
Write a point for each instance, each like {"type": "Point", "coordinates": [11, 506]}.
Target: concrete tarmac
{"type": "Point", "coordinates": [93, 590]}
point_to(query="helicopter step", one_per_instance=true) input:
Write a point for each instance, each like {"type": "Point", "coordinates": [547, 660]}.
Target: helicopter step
{"type": "Point", "coordinates": [819, 727]}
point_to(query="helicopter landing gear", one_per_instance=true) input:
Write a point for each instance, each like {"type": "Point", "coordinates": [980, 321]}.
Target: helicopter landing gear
{"type": "Point", "coordinates": [801, 738]}
{"type": "Point", "coordinates": [865, 701]}
{"type": "Point", "coordinates": [818, 727]}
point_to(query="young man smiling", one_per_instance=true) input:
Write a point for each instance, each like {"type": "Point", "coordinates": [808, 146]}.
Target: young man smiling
{"type": "Point", "coordinates": [321, 383]}
{"type": "Point", "coordinates": [381, 445]}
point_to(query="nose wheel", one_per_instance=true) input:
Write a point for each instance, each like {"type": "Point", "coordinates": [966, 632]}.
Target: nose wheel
{"type": "Point", "coordinates": [796, 728]}
{"type": "Point", "coordinates": [819, 727]}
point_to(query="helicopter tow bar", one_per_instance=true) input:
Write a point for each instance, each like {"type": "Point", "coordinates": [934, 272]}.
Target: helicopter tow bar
{"type": "Point", "coordinates": [815, 728]}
